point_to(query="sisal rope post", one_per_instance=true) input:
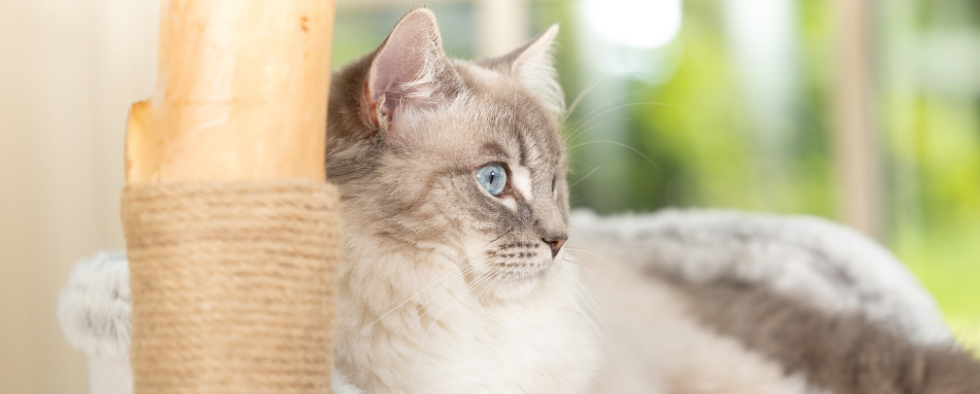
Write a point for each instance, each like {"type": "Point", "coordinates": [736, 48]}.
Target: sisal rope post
{"type": "Point", "coordinates": [232, 233]}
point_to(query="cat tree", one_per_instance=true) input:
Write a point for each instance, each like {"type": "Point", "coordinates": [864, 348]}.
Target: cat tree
{"type": "Point", "coordinates": [231, 230]}
{"type": "Point", "coordinates": [232, 234]}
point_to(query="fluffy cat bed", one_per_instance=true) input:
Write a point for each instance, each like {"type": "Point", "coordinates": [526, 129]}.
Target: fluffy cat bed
{"type": "Point", "coordinates": [818, 262]}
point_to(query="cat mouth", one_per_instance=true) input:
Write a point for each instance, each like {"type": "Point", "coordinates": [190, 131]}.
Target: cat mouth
{"type": "Point", "coordinates": [522, 270]}
{"type": "Point", "coordinates": [526, 277]}
{"type": "Point", "coordinates": [510, 283]}
{"type": "Point", "coordinates": [515, 270]}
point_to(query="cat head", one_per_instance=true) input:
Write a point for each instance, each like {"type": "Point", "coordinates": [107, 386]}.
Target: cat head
{"type": "Point", "coordinates": [461, 159]}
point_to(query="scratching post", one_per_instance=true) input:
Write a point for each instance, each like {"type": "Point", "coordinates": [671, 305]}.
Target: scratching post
{"type": "Point", "coordinates": [231, 230]}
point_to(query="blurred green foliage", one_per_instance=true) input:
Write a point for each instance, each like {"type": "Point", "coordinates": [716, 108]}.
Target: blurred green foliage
{"type": "Point", "coordinates": [698, 132]}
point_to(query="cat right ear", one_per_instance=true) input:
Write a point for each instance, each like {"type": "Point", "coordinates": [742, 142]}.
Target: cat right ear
{"type": "Point", "coordinates": [532, 65]}
{"type": "Point", "coordinates": [405, 70]}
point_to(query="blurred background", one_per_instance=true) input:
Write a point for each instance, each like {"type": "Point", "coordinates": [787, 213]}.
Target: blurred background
{"type": "Point", "coordinates": [865, 112]}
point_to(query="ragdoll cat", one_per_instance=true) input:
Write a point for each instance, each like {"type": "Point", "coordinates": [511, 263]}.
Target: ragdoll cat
{"type": "Point", "coordinates": [455, 207]}
{"type": "Point", "coordinates": [456, 278]}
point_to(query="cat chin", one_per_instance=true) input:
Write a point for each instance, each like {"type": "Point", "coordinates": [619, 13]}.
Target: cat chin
{"type": "Point", "coordinates": [518, 287]}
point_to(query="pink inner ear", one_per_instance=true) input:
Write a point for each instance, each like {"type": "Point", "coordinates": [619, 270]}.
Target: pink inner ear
{"type": "Point", "coordinates": [372, 110]}
{"type": "Point", "coordinates": [403, 68]}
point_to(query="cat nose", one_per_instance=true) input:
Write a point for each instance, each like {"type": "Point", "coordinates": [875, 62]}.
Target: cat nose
{"type": "Point", "coordinates": [555, 242]}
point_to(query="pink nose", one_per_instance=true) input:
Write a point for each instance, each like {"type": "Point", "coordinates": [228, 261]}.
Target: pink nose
{"type": "Point", "coordinates": [555, 244]}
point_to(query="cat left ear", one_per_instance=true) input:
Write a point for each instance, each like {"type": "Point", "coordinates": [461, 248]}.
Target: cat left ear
{"type": "Point", "coordinates": [406, 68]}
{"type": "Point", "coordinates": [533, 66]}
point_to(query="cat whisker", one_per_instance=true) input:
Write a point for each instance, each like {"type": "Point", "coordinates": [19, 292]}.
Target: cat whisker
{"type": "Point", "coordinates": [591, 302]}
{"type": "Point", "coordinates": [476, 282]}
{"type": "Point", "coordinates": [575, 134]}
{"type": "Point", "coordinates": [609, 102]}
{"type": "Point", "coordinates": [514, 125]}
{"type": "Point", "coordinates": [622, 145]}
{"type": "Point", "coordinates": [493, 302]}
{"type": "Point", "coordinates": [601, 257]}
{"type": "Point", "coordinates": [436, 321]}
{"type": "Point", "coordinates": [588, 295]}
{"type": "Point", "coordinates": [589, 117]}
{"type": "Point", "coordinates": [571, 131]}
{"type": "Point", "coordinates": [598, 322]}
{"type": "Point", "coordinates": [439, 299]}
{"type": "Point", "coordinates": [592, 85]}
{"type": "Point", "coordinates": [593, 273]}
{"type": "Point", "coordinates": [574, 165]}
{"type": "Point", "coordinates": [453, 269]}
{"type": "Point", "coordinates": [471, 266]}
{"type": "Point", "coordinates": [586, 176]}
{"type": "Point", "coordinates": [469, 287]}
{"type": "Point", "coordinates": [502, 235]}
{"type": "Point", "coordinates": [603, 332]}
{"type": "Point", "coordinates": [565, 64]}
{"type": "Point", "coordinates": [578, 99]}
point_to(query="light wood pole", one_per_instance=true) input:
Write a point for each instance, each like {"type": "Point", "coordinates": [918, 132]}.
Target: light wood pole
{"type": "Point", "coordinates": [241, 93]}
{"type": "Point", "coordinates": [855, 136]}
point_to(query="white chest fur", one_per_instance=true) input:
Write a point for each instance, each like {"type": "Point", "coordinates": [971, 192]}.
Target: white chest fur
{"type": "Point", "coordinates": [541, 344]}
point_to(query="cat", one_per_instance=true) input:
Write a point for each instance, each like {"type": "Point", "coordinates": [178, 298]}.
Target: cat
{"type": "Point", "coordinates": [455, 207]}
{"type": "Point", "coordinates": [456, 277]}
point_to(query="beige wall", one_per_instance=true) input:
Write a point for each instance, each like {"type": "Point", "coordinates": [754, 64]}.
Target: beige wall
{"type": "Point", "coordinates": [68, 71]}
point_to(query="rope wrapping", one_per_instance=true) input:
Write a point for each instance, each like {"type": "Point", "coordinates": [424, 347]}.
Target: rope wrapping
{"type": "Point", "coordinates": [232, 286]}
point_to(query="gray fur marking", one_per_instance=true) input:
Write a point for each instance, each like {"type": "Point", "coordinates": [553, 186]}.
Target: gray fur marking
{"type": "Point", "coordinates": [844, 353]}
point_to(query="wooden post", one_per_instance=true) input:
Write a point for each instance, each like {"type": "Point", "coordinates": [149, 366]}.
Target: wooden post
{"type": "Point", "coordinates": [241, 93]}
{"type": "Point", "coordinates": [231, 231]}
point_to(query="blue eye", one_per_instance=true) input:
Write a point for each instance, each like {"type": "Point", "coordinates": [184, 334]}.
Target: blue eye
{"type": "Point", "coordinates": [493, 177]}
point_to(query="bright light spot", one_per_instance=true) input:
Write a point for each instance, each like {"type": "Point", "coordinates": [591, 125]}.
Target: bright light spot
{"type": "Point", "coordinates": [636, 23]}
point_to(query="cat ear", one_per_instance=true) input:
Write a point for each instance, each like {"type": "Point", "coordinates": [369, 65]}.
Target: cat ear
{"type": "Point", "coordinates": [404, 71]}
{"type": "Point", "coordinates": [533, 65]}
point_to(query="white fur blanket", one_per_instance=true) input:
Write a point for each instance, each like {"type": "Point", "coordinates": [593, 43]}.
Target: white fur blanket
{"type": "Point", "coordinates": [828, 265]}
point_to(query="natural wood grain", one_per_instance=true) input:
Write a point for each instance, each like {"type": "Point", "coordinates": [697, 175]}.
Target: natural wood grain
{"type": "Point", "coordinates": [241, 93]}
